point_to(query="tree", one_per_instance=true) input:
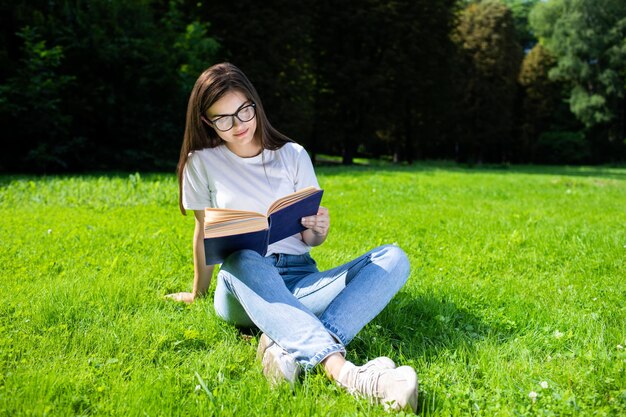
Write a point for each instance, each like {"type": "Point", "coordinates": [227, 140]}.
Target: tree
{"type": "Point", "coordinates": [587, 39]}
{"type": "Point", "coordinates": [545, 114]}
{"type": "Point", "coordinates": [383, 74]}
{"type": "Point", "coordinates": [99, 84]}
{"type": "Point", "coordinates": [349, 44]}
{"type": "Point", "coordinates": [489, 64]}
{"type": "Point", "coordinates": [418, 77]}
{"type": "Point", "coordinates": [33, 97]}
{"type": "Point", "coordinates": [521, 11]}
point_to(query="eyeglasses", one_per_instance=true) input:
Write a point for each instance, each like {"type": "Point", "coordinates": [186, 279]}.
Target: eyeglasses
{"type": "Point", "coordinates": [225, 122]}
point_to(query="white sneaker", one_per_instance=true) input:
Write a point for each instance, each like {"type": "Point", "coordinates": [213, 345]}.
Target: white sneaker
{"type": "Point", "coordinates": [382, 362]}
{"type": "Point", "coordinates": [278, 365]}
{"type": "Point", "coordinates": [395, 388]}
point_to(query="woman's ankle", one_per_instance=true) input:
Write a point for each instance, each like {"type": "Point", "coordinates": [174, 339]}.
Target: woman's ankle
{"type": "Point", "coordinates": [333, 364]}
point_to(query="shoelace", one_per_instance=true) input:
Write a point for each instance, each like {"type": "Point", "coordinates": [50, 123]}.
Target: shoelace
{"type": "Point", "coordinates": [366, 381]}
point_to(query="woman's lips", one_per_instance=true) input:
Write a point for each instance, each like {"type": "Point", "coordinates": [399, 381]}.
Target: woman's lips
{"type": "Point", "coordinates": [241, 133]}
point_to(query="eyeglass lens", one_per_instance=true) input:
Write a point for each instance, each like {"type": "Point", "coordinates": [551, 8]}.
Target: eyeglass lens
{"type": "Point", "coordinates": [245, 114]}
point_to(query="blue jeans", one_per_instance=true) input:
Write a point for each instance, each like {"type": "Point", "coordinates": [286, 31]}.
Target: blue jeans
{"type": "Point", "coordinates": [310, 314]}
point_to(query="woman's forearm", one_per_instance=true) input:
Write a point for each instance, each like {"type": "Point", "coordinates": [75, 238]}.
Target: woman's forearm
{"type": "Point", "coordinates": [202, 272]}
{"type": "Point", "coordinates": [317, 227]}
{"type": "Point", "coordinates": [312, 239]}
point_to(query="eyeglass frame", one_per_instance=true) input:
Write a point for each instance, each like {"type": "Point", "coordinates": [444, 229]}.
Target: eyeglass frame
{"type": "Point", "coordinates": [232, 116]}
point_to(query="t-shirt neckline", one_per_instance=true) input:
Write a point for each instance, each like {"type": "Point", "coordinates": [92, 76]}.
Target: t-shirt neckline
{"type": "Point", "coordinates": [249, 160]}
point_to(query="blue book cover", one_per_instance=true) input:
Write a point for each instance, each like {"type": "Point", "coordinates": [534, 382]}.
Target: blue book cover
{"type": "Point", "coordinates": [282, 223]}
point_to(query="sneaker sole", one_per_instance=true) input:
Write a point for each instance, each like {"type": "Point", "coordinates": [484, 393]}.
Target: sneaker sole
{"type": "Point", "coordinates": [271, 369]}
{"type": "Point", "coordinates": [410, 394]}
{"type": "Point", "coordinates": [264, 343]}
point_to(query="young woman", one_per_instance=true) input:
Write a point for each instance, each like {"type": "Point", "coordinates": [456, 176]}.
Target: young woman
{"type": "Point", "coordinates": [232, 157]}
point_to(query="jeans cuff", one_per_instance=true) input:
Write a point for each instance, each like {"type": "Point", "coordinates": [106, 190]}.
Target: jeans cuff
{"type": "Point", "coordinates": [339, 337]}
{"type": "Point", "coordinates": [323, 354]}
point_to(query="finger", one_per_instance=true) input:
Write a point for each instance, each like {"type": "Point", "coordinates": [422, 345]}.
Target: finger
{"type": "Point", "coordinates": [318, 225]}
{"type": "Point", "coordinates": [315, 221]}
{"type": "Point", "coordinates": [311, 221]}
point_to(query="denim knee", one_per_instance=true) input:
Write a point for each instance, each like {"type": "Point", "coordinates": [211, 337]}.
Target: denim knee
{"type": "Point", "coordinates": [397, 260]}
{"type": "Point", "coordinates": [241, 257]}
{"type": "Point", "coordinates": [240, 263]}
{"type": "Point", "coordinates": [227, 306]}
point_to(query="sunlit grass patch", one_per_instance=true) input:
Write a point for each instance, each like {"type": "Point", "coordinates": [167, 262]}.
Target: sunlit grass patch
{"type": "Point", "coordinates": [515, 304]}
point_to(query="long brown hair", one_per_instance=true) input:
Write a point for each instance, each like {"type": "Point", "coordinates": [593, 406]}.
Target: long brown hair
{"type": "Point", "coordinates": [212, 84]}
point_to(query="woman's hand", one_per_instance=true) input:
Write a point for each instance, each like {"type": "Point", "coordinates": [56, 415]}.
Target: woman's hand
{"type": "Point", "coordinates": [317, 227]}
{"type": "Point", "coordinates": [185, 297]}
{"type": "Point", "coordinates": [318, 224]}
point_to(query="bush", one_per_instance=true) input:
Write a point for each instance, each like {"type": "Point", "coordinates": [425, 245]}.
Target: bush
{"type": "Point", "coordinates": [99, 85]}
{"type": "Point", "coordinates": [558, 147]}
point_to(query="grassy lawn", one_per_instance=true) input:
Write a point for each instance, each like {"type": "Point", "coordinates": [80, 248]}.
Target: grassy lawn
{"type": "Point", "coordinates": [516, 304]}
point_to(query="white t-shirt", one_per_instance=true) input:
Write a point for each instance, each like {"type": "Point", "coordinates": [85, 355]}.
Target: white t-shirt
{"type": "Point", "coordinates": [216, 177]}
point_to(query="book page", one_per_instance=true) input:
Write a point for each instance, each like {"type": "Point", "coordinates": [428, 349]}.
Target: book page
{"type": "Point", "coordinates": [291, 198]}
{"type": "Point", "coordinates": [225, 222]}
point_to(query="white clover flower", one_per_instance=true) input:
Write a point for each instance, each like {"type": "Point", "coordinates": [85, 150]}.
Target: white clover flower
{"type": "Point", "coordinates": [558, 334]}
{"type": "Point", "coordinates": [198, 388]}
{"type": "Point", "coordinates": [544, 384]}
{"type": "Point", "coordinates": [532, 395]}
{"type": "Point", "coordinates": [620, 347]}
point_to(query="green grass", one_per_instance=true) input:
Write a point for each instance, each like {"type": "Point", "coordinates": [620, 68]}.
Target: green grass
{"type": "Point", "coordinates": [517, 287]}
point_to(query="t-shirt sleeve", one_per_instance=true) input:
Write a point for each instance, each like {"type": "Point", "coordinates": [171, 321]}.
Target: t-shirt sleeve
{"type": "Point", "coordinates": [305, 174]}
{"type": "Point", "coordinates": [196, 190]}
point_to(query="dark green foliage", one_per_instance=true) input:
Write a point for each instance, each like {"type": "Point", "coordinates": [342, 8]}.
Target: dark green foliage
{"type": "Point", "coordinates": [103, 84]}
{"type": "Point", "coordinates": [544, 108]}
{"type": "Point", "coordinates": [541, 95]}
{"type": "Point", "coordinates": [489, 59]}
{"type": "Point", "coordinates": [99, 85]}
{"type": "Point", "coordinates": [33, 96]}
{"type": "Point", "coordinates": [587, 39]}
{"type": "Point", "coordinates": [521, 10]}
{"type": "Point", "coordinates": [562, 148]}
{"type": "Point", "coordinates": [383, 82]}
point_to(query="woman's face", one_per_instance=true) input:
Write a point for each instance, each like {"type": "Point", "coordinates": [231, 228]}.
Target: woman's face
{"type": "Point", "coordinates": [239, 135]}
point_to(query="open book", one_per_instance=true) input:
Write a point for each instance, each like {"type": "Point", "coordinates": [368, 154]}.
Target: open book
{"type": "Point", "coordinates": [227, 231]}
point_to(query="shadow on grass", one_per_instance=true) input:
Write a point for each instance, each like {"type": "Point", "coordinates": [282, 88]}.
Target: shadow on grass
{"type": "Point", "coordinates": [7, 179]}
{"type": "Point", "coordinates": [365, 168]}
{"type": "Point", "coordinates": [420, 330]}
{"type": "Point", "coordinates": [416, 331]}
{"type": "Point", "coordinates": [609, 172]}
